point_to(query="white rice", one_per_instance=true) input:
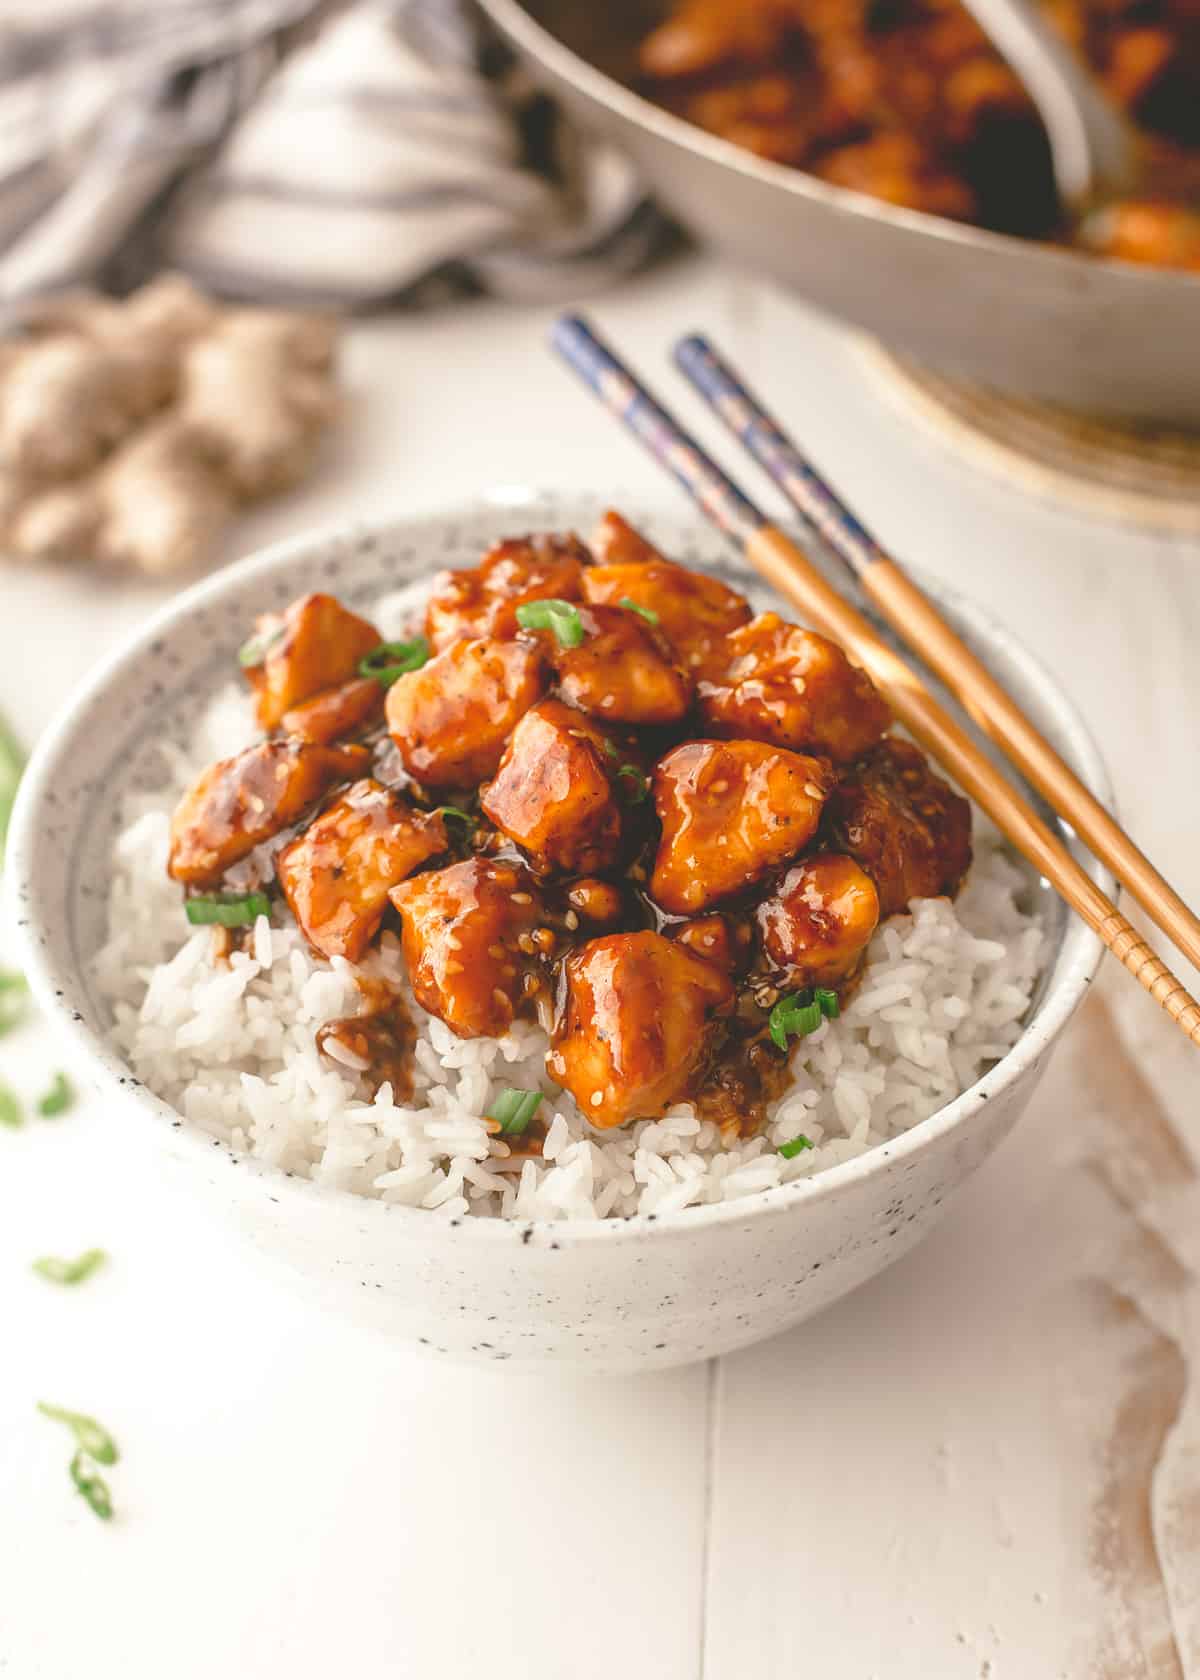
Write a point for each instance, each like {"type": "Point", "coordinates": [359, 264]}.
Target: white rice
{"type": "Point", "coordinates": [232, 1046]}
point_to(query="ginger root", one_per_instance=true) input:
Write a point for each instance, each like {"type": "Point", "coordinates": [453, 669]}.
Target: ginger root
{"type": "Point", "coordinates": [130, 432]}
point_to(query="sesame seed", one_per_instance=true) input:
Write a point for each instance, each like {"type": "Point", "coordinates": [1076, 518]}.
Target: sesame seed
{"type": "Point", "coordinates": [813, 791]}
{"type": "Point", "coordinates": [501, 997]}
{"type": "Point", "coordinates": [720, 787]}
{"type": "Point", "coordinates": [522, 898]}
{"type": "Point", "coordinates": [496, 952]}
{"type": "Point", "coordinates": [597, 1098]}
{"type": "Point", "coordinates": [571, 920]}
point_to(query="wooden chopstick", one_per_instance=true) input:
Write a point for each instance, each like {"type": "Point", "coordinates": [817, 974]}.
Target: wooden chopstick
{"type": "Point", "coordinates": [914, 617]}
{"type": "Point", "coordinates": [793, 575]}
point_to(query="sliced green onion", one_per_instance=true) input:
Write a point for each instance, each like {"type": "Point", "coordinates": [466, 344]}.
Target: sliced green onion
{"type": "Point", "coordinates": [227, 909]}
{"type": "Point", "coordinates": [827, 1002]}
{"type": "Point", "coordinates": [12, 763]}
{"type": "Point", "coordinates": [648, 613]}
{"type": "Point", "coordinates": [254, 652]}
{"type": "Point", "coordinates": [639, 788]}
{"type": "Point", "coordinates": [514, 1110]}
{"type": "Point", "coordinates": [393, 659]}
{"type": "Point", "coordinates": [14, 999]}
{"type": "Point", "coordinates": [56, 1270]}
{"type": "Point", "coordinates": [91, 1484]}
{"type": "Point", "coordinates": [11, 1113]}
{"type": "Point", "coordinates": [452, 813]}
{"type": "Point", "coordinates": [608, 749]}
{"type": "Point", "coordinates": [91, 1437]}
{"type": "Point", "coordinates": [794, 1017]}
{"type": "Point", "coordinates": [792, 1148]}
{"type": "Point", "coordinates": [57, 1099]}
{"type": "Point", "coordinates": [552, 614]}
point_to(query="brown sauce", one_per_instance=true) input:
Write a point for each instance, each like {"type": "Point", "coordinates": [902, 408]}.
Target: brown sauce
{"type": "Point", "coordinates": [382, 1038]}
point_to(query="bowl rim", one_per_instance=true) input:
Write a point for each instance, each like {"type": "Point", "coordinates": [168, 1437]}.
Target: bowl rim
{"type": "Point", "coordinates": [527, 31]}
{"type": "Point", "coordinates": [46, 973]}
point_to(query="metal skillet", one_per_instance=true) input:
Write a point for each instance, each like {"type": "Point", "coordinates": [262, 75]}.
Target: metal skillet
{"type": "Point", "coordinates": [1106, 338]}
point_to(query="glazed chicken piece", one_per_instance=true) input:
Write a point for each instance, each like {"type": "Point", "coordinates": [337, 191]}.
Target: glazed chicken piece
{"type": "Point", "coordinates": [899, 169]}
{"type": "Point", "coordinates": [714, 939]}
{"type": "Point", "coordinates": [792, 687]}
{"type": "Point", "coordinates": [484, 600]}
{"type": "Point", "coordinates": [240, 802]}
{"type": "Point", "coordinates": [819, 920]}
{"type": "Point", "coordinates": [451, 719]}
{"type": "Point", "coordinates": [1166, 235]}
{"type": "Point", "coordinates": [599, 903]}
{"type": "Point", "coordinates": [469, 937]}
{"type": "Point", "coordinates": [695, 613]}
{"type": "Point", "coordinates": [554, 792]}
{"type": "Point", "coordinates": [337, 874]}
{"type": "Point", "coordinates": [623, 670]}
{"type": "Point", "coordinates": [637, 1022]}
{"type": "Point", "coordinates": [316, 644]}
{"type": "Point", "coordinates": [903, 824]}
{"type": "Point", "coordinates": [336, 712]}
{"type": "Point", "coordinates": [731, 811]}
{"type": "Point", "coordinates": [702, 35]}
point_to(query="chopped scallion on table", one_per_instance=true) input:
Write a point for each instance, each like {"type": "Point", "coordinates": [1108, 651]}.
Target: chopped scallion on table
{"type": "Point", "coordinates": [91, 1484]}
{"type": "Point", "coordinates": [227, 909]}
{"type": "Point", "coordinates": [394, 659]}
{"type": "Point", "coordinates": [14, 999]}
{"type": "Point", "coordinates": [67, 1272]}
{"type": "Point", "coordinates": [90, 1436]}
{"type": "Point", "coordinates": [11, 1113]}
{"type": "Point", "coordinates": [794, 1146]}
{"type": "Point", "coordinates": [12, 763]}
{"type": "Point", "coordinates": [648, 613]}
{"type": "Point", "coordinates": [57, 1099]}
{"type": "Point", "coordinates": [553, 614]}
{"type": "Point", "coordinates": [514, 1110]}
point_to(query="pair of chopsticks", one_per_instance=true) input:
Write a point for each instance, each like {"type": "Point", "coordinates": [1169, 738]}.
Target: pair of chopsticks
{"type": "Point", "coordinates": [918, 622]}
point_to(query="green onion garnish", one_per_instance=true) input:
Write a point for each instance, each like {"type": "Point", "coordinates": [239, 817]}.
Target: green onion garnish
{"type": "Point", "coordinates": [452, 813]}
{"type": "Point", "coordinates": [648, 613]}
{"type": "Point", "coordinates": [795, 1145]}
{"type": "Point", "coordinates": [12, 762]}
{"type": "Point", "coordinates": [514, 1110]}
{"type": "Point", "coordinates": [392, 659]}
{"type": "Point", "coordinates": [11, 1114]}
{"type": "Point", "coordinates": [552, 614]}
{"type": "Point", "coordinates": [91, 1484]}
{"type": "Point", "coordinates": [639, 787]}
{"type": "Point", "coordinates": [255, 651]}
{"type": "Point", "coordinates": [91, 1437]}
{"type": "Point", "coordinates": [58, 1098]}
{"type": "Point", "coordinates": [828, 1002]}
{"type": "Point", "coordinates": [56, 1270]}
{"type": "Point", "coordinates": [794, 1017]}
{"type": "Point", "coordinates": [14, 999]}
{"type": "Point", "coordinates": [227, 909]}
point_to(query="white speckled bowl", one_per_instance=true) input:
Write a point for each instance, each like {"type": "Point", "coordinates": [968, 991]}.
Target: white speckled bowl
{"type": "Point", "coordinates": [620, 1294]}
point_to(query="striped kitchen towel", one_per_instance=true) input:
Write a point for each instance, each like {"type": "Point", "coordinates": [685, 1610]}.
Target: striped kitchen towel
{"type": "Point", "coordinates": [306, 151]}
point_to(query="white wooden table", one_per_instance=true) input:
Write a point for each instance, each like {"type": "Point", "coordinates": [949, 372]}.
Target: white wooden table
{"type": "Point", "coordinates": [987, 1463]}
